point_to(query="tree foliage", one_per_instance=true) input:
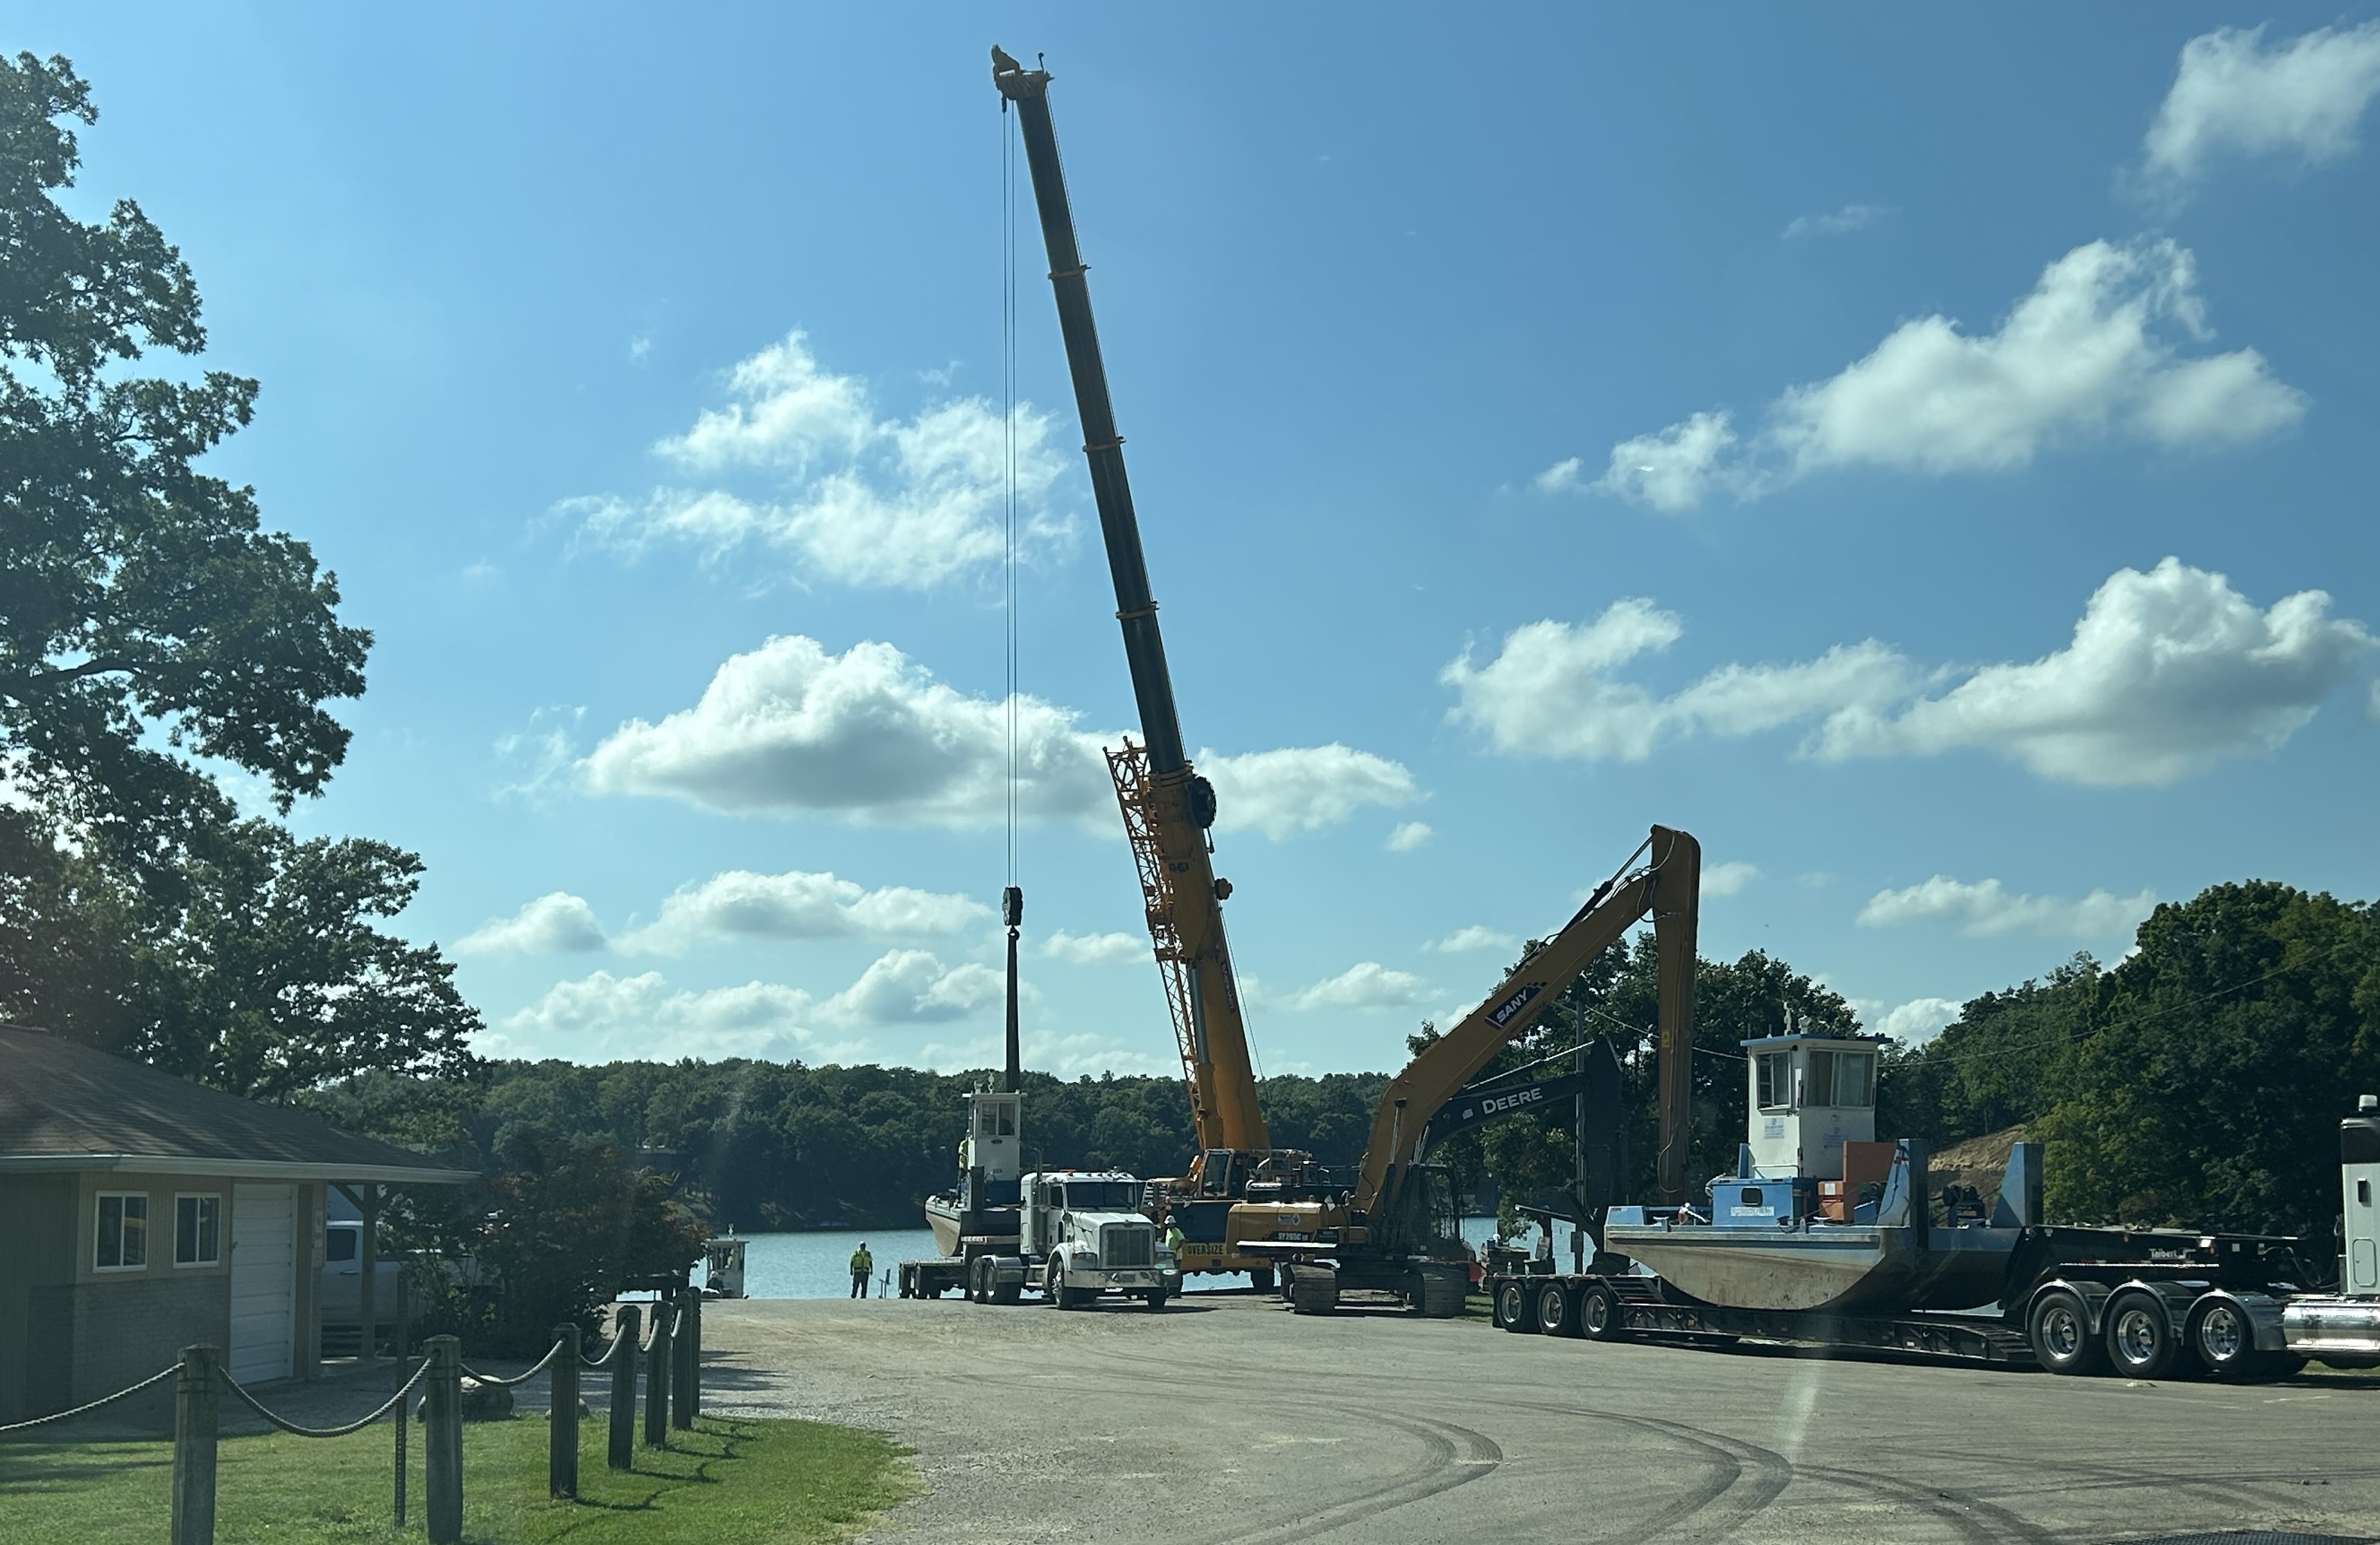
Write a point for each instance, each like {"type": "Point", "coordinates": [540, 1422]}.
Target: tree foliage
{"type": "Point", "coordinates": [145, 617]}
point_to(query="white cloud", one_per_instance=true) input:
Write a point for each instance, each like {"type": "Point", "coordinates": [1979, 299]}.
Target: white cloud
{"type": "Point", "coordinates": [1919, 1020]}
{"type": "Point", "coordinates": [1406, 835]}
{"type": "Point", "coordinates": [1366, 984]}
{"type": "Point", "coordinates": [602, 1015]}
{"type": "Point", "coordinates": [1672, 470]}
{"type": "Point", "coordinates": [867, 735]}
{"type": "Point", "coordinates": [555, 923]}
{"type": "Point", "coordinates": [1842, 222]}
{"type": "Point", "coordinates": [1563, 477]}
{"type": "Point", "coordinates": [2231, 91]}
{"type": "Point", "coordinates": [1301, 788]}
{"type": "Point", "coordinates": [536, 758]}
{"type": "Point", "coordinates": [1096, 949]}
{"type": "Point", "coordinates": [2167, 674]}
{"type": "Point", "coordinates": [799, 461]}
{"type": "Point", "coordinates": [1726, 879]}
{"type": "Point", "coordinates": [1549, 692]}
{"type": "Point", "coordinates": [1474, 937]}
{"type": "Point", "coordinates": [1985, 909]}
{"type": "Point", "coordinates": [742, 905]}
{"type": "Point", "coordinates": [2090, 353]}
{"type": "Point", "coordinates": [913, 987]}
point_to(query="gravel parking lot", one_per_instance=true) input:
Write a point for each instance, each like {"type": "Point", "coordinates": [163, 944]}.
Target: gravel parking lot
{"type": "Point", "coordinates": [1228, 1421]}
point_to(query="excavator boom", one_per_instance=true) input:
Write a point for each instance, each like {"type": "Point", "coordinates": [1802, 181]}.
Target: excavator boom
{"type": "Point", "coordinates": [1167, 806]}
{"type": "Point", "coordinates": [1668, 888]}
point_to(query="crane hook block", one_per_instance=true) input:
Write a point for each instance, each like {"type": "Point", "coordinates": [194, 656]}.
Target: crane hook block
{"type": "Point", "coordinates": [1012, 907]}
{"type": "Point", "coordinates": [1222, 889]}
{"type": "Point", "coordinates": [1202, 803]}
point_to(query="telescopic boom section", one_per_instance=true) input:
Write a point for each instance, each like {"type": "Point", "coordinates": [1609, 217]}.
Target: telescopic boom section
{"type": "Point", "coordinates": [1669, 887]}
{"type": "Point", "coordinates": [1170, 809]}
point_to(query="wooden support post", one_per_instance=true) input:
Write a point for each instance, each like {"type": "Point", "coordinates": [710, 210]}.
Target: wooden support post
{"type": "Point", "coordinates": [195, 1392]}
{"type": "Point", "coordinates": [657, 1378]}
{"type": "Point", "coordinates": [442, 1440]}
{"type": "Point", "coordinates": [404, 1426]}
{"type": "Point", "coordinates": [625, 1326]}
{"type": "Point", "coordinates": [688, 1403]}
{"type": "Point", "coordinates": [561, 1421]}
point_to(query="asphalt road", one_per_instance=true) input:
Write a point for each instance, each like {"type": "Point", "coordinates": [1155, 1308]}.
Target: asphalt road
{"type": "Point", "coordinates": [1226, 1421]}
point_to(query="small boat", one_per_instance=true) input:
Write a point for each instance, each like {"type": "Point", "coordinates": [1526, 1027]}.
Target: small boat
{"type": "Point", "coordinates": [723, 1267]}
{"type": "Point", "coordinates": [1795, 1229]}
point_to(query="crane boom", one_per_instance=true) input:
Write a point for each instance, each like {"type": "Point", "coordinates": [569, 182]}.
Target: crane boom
{"type": "Point", "coordinates": [1167, 806]}
{"type": "Point", "coordinates": [1669, 887]}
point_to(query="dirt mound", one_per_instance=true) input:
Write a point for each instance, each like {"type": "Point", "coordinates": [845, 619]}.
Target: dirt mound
{"type": "Point", "coordinates": [1978, 1161]}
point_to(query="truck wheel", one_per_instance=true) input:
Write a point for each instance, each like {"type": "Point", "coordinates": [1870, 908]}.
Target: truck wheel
{"type": "Point", "coordinates": [1052, 1280]}
{"type": "Point", "coordinates": [978, 1289]}
{"type": "Point", "coordinates": [2225, 1340]}
{"type": "Point", "coordinates": [2060, 1330]}
{"type": "Point", "coordinates": [1599, 1318]}
{"type": "Point", "coordinates": [1512, 1308]}
{"type": "Point", "coordinates": [1261, 1278]}
{"type": "Point", "coordinates": [1554, 1316]}
{"type": "Point", "coordinates": [2140, 1337]}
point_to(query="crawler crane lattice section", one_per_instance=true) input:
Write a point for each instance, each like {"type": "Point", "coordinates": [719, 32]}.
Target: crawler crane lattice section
{"type": "Point", "coordinates": [1136, 797]}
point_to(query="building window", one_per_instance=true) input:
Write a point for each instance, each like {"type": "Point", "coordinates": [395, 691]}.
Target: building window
{"type": "Point", "coordinates": [198, 1230]}
{"type": "Point", "coordinates": [123, 1237]}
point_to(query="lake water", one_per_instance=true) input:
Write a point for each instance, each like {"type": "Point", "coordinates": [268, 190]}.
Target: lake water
{"type": "Point", "coordinates": [815, 1263]}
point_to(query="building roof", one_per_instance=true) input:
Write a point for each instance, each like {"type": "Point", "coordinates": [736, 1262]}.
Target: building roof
{"type": "Point", "coordinates": [66, 1106]}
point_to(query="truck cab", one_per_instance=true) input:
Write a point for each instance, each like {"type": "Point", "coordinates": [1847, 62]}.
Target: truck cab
{"type": "Point", "coordinates": [1082, 1234]}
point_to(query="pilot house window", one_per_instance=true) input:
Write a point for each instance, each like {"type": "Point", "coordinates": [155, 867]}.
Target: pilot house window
{"type": "Point", "coordinates": [1841, 1079]}
{"type": "Point", "coordinates": [1774, 1093]}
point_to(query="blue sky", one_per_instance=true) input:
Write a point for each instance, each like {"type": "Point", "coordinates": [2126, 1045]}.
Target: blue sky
{"type": "Point", "coordinates": [1929, 456]}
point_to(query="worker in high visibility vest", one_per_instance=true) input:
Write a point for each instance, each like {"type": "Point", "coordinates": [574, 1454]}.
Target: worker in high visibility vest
{"type": "Point", "coordinates": [862, 1266]}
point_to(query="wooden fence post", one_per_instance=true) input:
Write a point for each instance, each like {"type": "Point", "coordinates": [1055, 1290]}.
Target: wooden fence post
{"type": "Point", "coordinates": [442, 1440]}
{"type": "Point", "coordinates": [404, 1422]}
{"type": "Point", "coordinates": [688, 1399]}
{"type": "Point", "coordinates": [561, 1421]}
{"type": "Point", "coordinates": [657, 1378]}
{"type": "Point", "coordinates": [627, 1324]}
{"type": "Point", "coordinates": [195, 1392]}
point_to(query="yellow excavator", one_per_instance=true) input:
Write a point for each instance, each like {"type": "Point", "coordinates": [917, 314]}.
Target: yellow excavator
{"type": "Point", "coordinates": [1169, 811]}
{"type": "Point", "coordinates": [1394, 1229]}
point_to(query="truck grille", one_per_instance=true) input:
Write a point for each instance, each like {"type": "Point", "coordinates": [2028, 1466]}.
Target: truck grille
{"type": "Point", "coordinates": [1124, 1245]}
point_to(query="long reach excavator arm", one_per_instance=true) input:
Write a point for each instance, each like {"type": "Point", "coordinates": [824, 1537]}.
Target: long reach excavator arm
{"type": "Point", "coordinates": [1167, 806]}
{"type": "Point", "coordinates": [1669, 887]}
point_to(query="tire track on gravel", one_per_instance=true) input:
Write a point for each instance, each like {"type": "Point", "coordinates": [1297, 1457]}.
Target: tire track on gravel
{"type": "Point", "coordinates": [1452, 1456]}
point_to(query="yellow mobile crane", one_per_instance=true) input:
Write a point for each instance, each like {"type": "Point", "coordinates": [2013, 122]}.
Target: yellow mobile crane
{"type": "Point", "coordinates": [1167, 808]}
{"type": "Point", "coordinates": [1395, 1229]}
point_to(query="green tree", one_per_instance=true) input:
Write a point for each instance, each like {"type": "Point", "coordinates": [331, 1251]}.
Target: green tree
{"type": "Point", "coordinates": [145, 617]}
{"type": "Point", "coordinates": [569, 1231]}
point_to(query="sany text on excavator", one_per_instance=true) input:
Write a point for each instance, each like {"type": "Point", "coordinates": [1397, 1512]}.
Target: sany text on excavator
{"type": "Point", "coordinates": [1395, 1230]}
{"type": "Point", "coordinates": [1167, 808]}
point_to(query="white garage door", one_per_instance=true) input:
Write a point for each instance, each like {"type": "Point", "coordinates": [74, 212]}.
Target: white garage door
{"type": "Point", "coordinates": [263, 1281]}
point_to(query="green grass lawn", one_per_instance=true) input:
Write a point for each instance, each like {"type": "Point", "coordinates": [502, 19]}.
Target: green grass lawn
{"type": "Point", "coordinates": [728, 1481]}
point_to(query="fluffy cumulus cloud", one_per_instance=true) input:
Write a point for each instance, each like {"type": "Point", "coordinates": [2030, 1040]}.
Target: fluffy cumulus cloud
{"type": "Point", "coordinates": [1406, 835]}
{"type": "Point", "coordinates": [911, 987]}
{"type": "Point", "coordinates": [1366, 984]}
{"type": "Point", "coordinates": [1474, 937]}
{"type": "Point", "coordinates": [740, 905]}
{"type": "Point", "coordinates": [799, 461]}
{"type": "Point", "coordinates": [1986, 909]}
{"type": "Point", "coordinates": [867, 735]}
{"type": "Point", "coordinates": [602, 1015]}
{"type": "Point", "coordinates": [2301, 97]}
{"type": "Point", "coordinates": [2167, 674]}
{"type": "Point", "coordinates": [555, 923]}
{"type": "Point", "coordinates": [2095, 350]}
{"type": "Point", "coordinates": [1096, 949]}
{"type": "Point", "coordinates": [1918, 1020]}
{"type": "Point", "coordinates": [1301, 788]}
{"type": "Point", "coordinates": [1726, 879]}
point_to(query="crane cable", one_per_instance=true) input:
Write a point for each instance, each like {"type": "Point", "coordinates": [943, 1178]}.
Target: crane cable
{"type": "Point", "coordinates": [1008, 520]}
